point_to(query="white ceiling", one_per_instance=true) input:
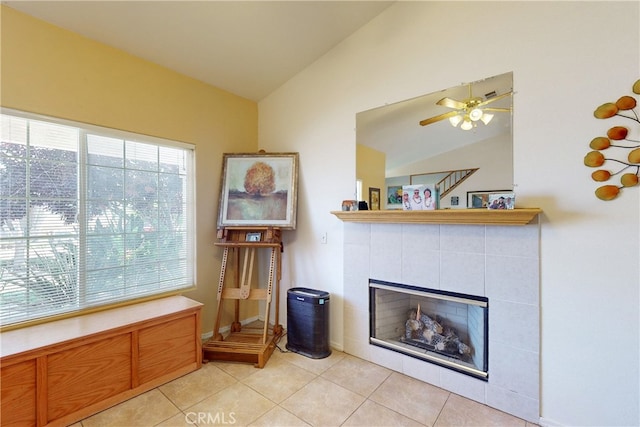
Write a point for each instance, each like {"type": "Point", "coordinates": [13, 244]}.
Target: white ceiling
{"type": "Point", "coordinates": [249, 48]}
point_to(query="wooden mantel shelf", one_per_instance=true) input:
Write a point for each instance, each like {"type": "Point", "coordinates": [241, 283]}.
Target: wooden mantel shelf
{"type": "Point", "coordinates": [520, 216]}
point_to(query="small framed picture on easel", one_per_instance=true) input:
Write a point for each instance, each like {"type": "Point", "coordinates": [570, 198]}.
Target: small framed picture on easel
{"type": "Point", "coordinates": [253, 237]}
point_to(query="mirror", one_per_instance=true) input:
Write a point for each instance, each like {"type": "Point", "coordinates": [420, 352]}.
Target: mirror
{"type": "Point", "coordinates": [394, 149]}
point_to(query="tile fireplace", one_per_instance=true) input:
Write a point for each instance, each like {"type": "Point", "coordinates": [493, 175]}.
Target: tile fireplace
{"type": "Point", "coordinates": [499, 263]}
{"type": "Point", "coordinates": [445, 328]}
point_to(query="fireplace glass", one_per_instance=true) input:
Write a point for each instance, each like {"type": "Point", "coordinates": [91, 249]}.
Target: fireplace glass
{"type": "Point", "coordinates": [446, 328]}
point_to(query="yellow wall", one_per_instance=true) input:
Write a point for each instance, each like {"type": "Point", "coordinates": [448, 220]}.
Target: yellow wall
{"type": "Point", "coordinates": [370, 168]}
{"type": "Point", "coordinates": [55, 72]}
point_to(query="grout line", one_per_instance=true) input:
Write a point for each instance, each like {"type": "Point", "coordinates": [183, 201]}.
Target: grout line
{"type": "Point", "coordinates": [441, 409]}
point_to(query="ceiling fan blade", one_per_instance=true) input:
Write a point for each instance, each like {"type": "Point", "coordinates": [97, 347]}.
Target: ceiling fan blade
{"type": "Point", "coordinates": [438, 118]}
{"type": "Point", "coordinates": [502, 110]}
{"type": "Point", "coordinates": [495, 98]}
{"type": "Point", "coordinates": [452, 103]}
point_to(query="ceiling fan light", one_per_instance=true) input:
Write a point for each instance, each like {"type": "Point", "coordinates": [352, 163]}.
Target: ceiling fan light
{"type": "Point", "coordinates": [486, 118]}
{"type": "Point", "coordinates": [455, 120]}
{"type": "Point", "coordinates": [466, 125]}
{"type": "Point", "coordinates": [475, 114]}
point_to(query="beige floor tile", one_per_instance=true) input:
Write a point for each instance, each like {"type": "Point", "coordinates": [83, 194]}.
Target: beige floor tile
{"type": "Point", "coordinates": [179, 420]}
{"type": "Point", "coordinates": [323, 403]}
{"type": "Point", "coordinates": [279, 417]}
{"type": "Point", "coordinates": [279, 379]}
{"type": "Point", "coordinates": [196, 386]}
{"type": "Point", "coordinates": [238, 370]}
{"type": "Point", "coordinates": [371, 414]}
{"type": "Point", "coordinates": [357, 375]}
{"type": "Point", "coordinates": [412, 398]}
{"type": "Point", "coordinates": [317, 366]}
{"type": "Point", "coordinates": [459, 412]}
{"type": "Point", "coordinates": [312, 392]}
{"type": "Point", "coordinates": [148, 409]}
{"type": "Point", "coordinates": [237, 404]}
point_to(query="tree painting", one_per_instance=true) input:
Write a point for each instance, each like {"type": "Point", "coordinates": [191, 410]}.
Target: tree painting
{"type": "Point", "coordinates": [258, 190]}
{"type": "Point", "coordinates": [260, 179]}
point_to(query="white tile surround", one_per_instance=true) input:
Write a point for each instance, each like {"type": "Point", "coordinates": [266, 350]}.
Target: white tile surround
{"type": "Point", "coordinates": [499, 262]}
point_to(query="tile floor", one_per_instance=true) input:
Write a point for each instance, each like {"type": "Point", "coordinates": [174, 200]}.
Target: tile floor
{"type": "Point", "coordinates": [294, 390]}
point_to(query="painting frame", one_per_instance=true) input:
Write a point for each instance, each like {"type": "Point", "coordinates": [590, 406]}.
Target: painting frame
{"type": "Point", "coordinates": [374, 199]}
{"type": "Point", "coordinates": [253, 237]}
{"type": "Point", "coordinates": [258, 190]}
{"type": "Point", "coordinates": [394, 196]}
{"type": "Point", "coordinates": [502, 201]}
{"type": "Point", "coordinates": [480, 199]}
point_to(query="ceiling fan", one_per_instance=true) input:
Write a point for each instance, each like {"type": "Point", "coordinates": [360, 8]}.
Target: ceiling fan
{"type": "Point", "coordinates": [468, 111]}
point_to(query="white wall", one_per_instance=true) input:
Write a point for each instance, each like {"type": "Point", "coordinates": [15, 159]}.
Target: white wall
{"type": "Point", "coordinates": [486, 155]}
{"type": "Point", "coordinates": [567, 58]}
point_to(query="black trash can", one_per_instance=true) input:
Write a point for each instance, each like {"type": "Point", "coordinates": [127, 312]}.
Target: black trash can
{"type": "Point", "coordinates": [308, 322]}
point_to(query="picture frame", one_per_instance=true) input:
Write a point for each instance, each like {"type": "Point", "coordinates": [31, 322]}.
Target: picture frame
{"type": "Point", "coordinates": [394, 197]}
{"type": "Point", "coordinates": [253, 237]}
{"type": "Point", "coordinates": [502, 200]}
{"type": "Point", "coordinates": [374, 199]}
{"type": "Point", "coordinates": [258, 189]}
{"type": "Point", "coordinates": [480, 199]}
{"type": "Point", "coordinates": [419, 197]}
{"type": "Point", "coordinates": [349, 205]}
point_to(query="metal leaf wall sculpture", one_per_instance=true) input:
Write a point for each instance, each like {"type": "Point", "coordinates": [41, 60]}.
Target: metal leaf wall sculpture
{"type": "Point", "coordinates": [618, 144]}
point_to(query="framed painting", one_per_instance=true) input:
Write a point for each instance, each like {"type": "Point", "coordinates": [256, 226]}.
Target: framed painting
{"type": "Point", "coordinates": [374, 199]}
{"type": "Point", "coordinates": [394, 197]}
{"type": "Point", "coordinates": [480, 199]}
{"type": "Point", "coordinates": [259, 190]}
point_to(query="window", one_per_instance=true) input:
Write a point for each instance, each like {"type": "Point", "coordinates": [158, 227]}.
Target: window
{"type": "Point", "coordinates": [90, 217]}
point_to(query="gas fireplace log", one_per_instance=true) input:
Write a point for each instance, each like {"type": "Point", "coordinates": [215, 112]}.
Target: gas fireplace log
{"type": "Point", "coordinates": [422, 328]}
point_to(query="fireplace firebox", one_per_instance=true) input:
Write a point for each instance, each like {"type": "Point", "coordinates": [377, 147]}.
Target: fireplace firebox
{"type": "Point", "coordinates": [445, 328]}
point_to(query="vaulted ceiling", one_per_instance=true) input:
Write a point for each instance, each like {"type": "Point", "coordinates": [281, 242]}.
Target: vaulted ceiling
{"type": "Point", "coordinates": [249, 48]}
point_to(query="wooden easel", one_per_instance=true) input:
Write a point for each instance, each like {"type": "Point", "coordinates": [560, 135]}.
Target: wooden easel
{"type": "Point", "coordinates": [238, 345]}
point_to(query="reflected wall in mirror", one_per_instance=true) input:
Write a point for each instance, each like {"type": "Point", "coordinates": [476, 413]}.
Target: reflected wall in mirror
{"type": "Point", "coordinates": [393, 149]}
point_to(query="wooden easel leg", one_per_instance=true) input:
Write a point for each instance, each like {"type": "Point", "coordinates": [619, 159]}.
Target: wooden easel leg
{"type": "Point", "coordinates": [216, 330]}
{"type": "Point", "coordinates": [245, 284]}
{"type": "Point", "coordinates": [272, 263]}
{"type": "Point", "coordinates": [277, 327]}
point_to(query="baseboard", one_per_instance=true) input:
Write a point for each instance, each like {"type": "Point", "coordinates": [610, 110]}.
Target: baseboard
{"type": "Point", "coordinates": [546, 422]}
{"type": "Point", "coordinates": [206, 335]}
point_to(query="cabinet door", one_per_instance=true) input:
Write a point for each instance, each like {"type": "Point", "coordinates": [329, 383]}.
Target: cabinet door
{"type": "Point", "coordinates": [18, 393]}
{"type": "Point", "coordinates": [88, 374]}
{"type": "Point", "coordinates": [167, 347]}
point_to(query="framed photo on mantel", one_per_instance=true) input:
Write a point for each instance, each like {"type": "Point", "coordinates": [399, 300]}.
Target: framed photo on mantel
{"type": "Point", "coordinates": [484, 199]}
{"type": "Point", "coordinates": [374, 199]}
{"type": "Point", "coordinates": [259, 189]}
{"type": "Point", "coordinates": [501, 200]}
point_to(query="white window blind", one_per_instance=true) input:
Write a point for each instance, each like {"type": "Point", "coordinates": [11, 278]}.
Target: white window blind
{"type": "Point", "coordinates": [90, 216]}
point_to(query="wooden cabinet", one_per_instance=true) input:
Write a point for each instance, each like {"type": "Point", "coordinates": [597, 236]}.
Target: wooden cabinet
{"type": "Point", "coordinates": [18, 388]}
{"type": "Point", "coordinates": [104, 364]}
{"type": "Point", "coordinates": [60, 372]}
{"type": "Point", "coordinates": [165, 348]}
